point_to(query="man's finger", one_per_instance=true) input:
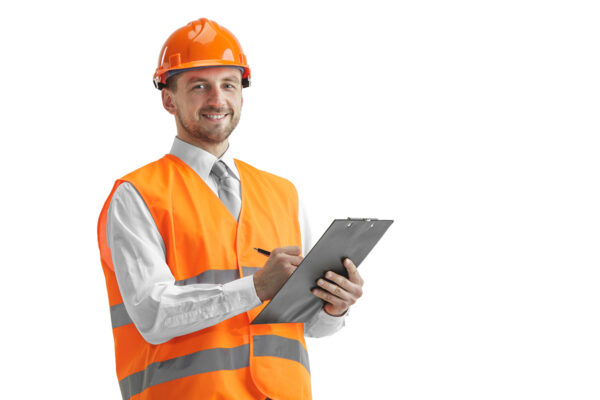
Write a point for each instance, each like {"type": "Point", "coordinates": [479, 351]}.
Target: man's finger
{"type": "Point", "coordinates": [330, 298]}
{"type": "Point", "coordinates": [354, 289]}
{"type": "Point", "coordinates": [353, 274]}
{"type": "Point", "coordinates": [339, 280]}
{"type": "Point", "coordinates": [291, 250]}
{"type": "Point", "coordinates": [336, 290]}
{"type": "Point", "coordinates": [296, 260]}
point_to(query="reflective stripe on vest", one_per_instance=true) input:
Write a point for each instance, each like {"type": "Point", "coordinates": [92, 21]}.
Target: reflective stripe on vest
{"type": "Point", "coordinates": [217, 276]}
{"type": "Point", "coordinates": [213, 360]}
{"type": "Point", "coordinates": [231, 359]}
{"type": "Point", "coordinates": [119, 316]}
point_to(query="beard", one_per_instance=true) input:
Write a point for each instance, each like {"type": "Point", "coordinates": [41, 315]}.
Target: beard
{"type": "Point", "coordinates": [206, 131]}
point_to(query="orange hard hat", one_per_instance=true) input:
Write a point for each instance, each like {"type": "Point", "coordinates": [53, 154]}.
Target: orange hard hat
{"type": "Point", "coordinates": [201, 43]}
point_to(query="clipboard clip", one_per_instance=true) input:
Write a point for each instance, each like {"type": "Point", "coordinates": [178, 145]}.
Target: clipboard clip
{"type": "Point", "coordinates": [350, 220]}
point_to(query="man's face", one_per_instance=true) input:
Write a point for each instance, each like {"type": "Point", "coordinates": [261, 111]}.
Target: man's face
{"type": "Point", "coordinates": [207, 103]}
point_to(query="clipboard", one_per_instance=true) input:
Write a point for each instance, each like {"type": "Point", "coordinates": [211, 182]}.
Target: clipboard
{"type": "Point", "coordinates": [345, 238]}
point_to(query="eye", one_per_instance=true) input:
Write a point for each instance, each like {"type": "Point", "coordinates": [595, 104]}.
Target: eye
{"type": "Point", "coordinates": [199, 86]}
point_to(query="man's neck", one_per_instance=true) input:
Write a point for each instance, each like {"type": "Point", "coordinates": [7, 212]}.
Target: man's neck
{"type": "Point", "coordinates": [216, 149]}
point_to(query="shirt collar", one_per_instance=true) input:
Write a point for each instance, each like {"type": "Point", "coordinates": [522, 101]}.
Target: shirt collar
{"type": "Point", "coordinates": [200, 160]}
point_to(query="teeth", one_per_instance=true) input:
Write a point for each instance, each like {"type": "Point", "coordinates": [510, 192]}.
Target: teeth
{"type": "Point", "coordinates": [211, 116]}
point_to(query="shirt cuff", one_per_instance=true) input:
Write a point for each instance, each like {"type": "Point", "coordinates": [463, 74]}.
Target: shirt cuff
{"type": "Point", "coordinates": [243, 291]}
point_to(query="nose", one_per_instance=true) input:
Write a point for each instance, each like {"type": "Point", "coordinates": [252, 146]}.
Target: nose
{"type": "Point", "coordinates": [215, 97]}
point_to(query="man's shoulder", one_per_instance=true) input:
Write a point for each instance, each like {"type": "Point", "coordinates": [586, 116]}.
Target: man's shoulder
{"type": "Point", "coordinates": [154, 168]}
{"type": "Point", "coordinates": [262, 174]}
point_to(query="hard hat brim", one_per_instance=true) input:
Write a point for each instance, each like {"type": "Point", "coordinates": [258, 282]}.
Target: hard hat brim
{"type": "Point", "coordinates": [161, 76]}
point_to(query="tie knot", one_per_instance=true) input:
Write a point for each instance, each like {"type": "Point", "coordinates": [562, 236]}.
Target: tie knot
{"type": "Point", "coordinates": [220, 170]}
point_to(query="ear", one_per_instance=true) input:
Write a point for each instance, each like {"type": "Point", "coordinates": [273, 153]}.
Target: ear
{"type": "Point", "coordinates": [168, 100]}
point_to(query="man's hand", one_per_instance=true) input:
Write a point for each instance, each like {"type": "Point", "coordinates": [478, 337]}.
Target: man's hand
{"type": "Point", "coordinates": [342, 293]}
{"type": "Point", "coordinates": [281, 264]}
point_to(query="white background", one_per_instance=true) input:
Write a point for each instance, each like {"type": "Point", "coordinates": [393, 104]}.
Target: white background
{"type": "Point", "coordinates": [473, 124]}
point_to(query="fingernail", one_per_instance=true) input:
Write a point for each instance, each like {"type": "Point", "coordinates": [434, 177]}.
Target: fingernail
{"type": "Point", "coordinates": [347, 262]}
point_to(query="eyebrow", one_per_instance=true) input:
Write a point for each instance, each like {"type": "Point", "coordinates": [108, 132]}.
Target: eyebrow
{"type": "Point", "coordinates": [230, 78]}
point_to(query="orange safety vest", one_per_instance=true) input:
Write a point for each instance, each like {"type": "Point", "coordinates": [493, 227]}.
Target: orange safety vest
{"type": "Point", "coordinates": [205, 244]}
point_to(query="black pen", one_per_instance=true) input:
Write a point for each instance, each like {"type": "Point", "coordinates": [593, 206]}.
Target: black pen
{"type": "Point", "coordinates": [261, 251]}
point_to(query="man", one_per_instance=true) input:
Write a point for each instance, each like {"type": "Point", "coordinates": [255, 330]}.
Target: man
{"type": "Point", "coordinates": [177, 241]}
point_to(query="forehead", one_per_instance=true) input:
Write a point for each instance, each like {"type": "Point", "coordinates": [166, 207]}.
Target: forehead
{"type": "Point", "coordinates": [212, 73]}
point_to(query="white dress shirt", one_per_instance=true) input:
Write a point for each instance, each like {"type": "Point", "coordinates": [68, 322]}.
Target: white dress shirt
{"type": "Point", "coordinates": [160, 309]}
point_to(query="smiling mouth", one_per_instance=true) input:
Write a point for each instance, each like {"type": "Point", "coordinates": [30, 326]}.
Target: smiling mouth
{"type": "Point", "coordinates": [215, 117]}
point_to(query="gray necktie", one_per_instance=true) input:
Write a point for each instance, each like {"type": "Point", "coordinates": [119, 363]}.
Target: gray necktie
{"type": "Point", "coordinates": [228, 188]}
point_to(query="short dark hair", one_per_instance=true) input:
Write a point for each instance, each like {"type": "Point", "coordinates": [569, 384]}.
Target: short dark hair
{"type": "Point", "coordinates": [171, 83]}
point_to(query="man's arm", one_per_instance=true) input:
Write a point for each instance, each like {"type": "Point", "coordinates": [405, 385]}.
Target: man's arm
{"type": "Point", "coordinates": [159, 309]}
